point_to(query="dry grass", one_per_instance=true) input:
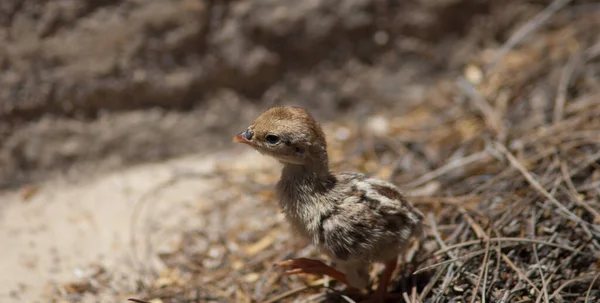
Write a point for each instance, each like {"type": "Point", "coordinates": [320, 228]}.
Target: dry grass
{"type": "Point", "coordinates": [504, 160]}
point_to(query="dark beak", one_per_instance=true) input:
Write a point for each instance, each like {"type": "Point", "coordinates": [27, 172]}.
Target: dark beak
{"type": "Point", "coordinates": [244, 137]}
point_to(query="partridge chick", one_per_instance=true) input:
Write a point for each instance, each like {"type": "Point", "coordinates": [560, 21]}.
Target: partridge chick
{"type": "Point", "coordinates": [354, 219]}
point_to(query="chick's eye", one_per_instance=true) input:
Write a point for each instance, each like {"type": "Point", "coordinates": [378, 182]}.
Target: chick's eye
{"type": "Point", "coordinates": [272, 139]}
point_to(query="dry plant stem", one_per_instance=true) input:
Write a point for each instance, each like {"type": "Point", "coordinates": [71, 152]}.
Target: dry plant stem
{"type": "Point", "coordinates": [563, 85]}
{"type": "Point", "coordinates": [504, 239]}
{"type": "Point", "coordinates": [588, 162]}
{"type": "Point", "coordinates": [562, 264]}
{"type": "Point", "coordinates": [571, 186]}
{"type": "Point", "coordinates": [527, 29]}
{"type": "Point", "coordinates": [592, 52]}
{"type": "Point", "coordinates": [459, 201]}
{"type": "Point", "coordinates": [487, 184]}
{"type": "Point", "coordinates": [492, 120]}
{"type": "Point", "coordinates": [242, 293]}
{"type": "Point", "coordinates": [547, 132]}
{"type": "Point", "coordinates": [258, 293]}
{"type": "Point", "coordinates": [587, 295]}
{"type": "Point", "coordinates": [443, 245]}
{"type": "Point", "coordinates": [519, 272]}
{"type": "Point", "coordinates": [498, 261]}
{"type": "Point", "coordinates": [347, 299]}
{"type": "Point", "coordinates": [537, 260]}
{"type": "Point", "coordinates": [431, 283]}
{"type": "Point", "coordinates": [448, 168]}
{"type": "Point", "coordinates": [537, 157]}
{"type": "Point", "coordinates": [446, 282]}
{"type": "Point", "coordinates": [514, 162]}
{"type": "Point", "coordinates": [485, 277]}
{"type": "Point", "coordinates": [583, 103]}
{"type": "Point", "coordinates": [481, 273]}
{"type": "Point", "coordinates": [569, 282]}
{"type": "Point", "coordinates": [413, 293]}
{"type": "Point", "coordinates": [464, 257]}
{"type": "Point", "coordinates": [438, 238]}
{"type": "Point", "coordinates": [476, 227]}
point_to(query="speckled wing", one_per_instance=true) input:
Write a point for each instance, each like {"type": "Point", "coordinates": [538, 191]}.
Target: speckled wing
{"type": "Point", "coordinates": [372, 220]}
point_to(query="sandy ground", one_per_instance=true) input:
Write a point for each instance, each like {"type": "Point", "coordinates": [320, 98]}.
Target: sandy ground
{"type": "Point", "coordinates": [66, 229]}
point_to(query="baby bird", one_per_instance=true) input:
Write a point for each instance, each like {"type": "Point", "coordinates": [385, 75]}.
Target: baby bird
{"type": "Point", "coordinates": [354, 219]}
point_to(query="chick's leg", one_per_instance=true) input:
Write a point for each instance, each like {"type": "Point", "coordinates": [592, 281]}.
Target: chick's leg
{"type": "Point", "coordinates": [381, 294]}
{"type": "Point", "coordinates": [386, 276]}
{"type": "Point", "coordinates": [315, 267]}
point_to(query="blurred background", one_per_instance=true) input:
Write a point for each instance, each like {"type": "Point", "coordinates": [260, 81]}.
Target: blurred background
{"type": "Point", "coordinates": [89, 89]}
{"type": "Point", "coordinates": [110, 83]}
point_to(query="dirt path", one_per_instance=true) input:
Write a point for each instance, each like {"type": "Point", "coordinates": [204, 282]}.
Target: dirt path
{"type": "Point", "coordinates": [65, 230]}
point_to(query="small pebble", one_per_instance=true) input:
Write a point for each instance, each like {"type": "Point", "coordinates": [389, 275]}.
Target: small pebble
{"type": "Point", "coordinates": [378, 125]}
{"type": "Point", "coordinates": [342, 134]}
{"type": "Point", "coordinates": [381, 37]}
{"type": "Point", "coordinates": [251, 277]}
{"type": "Point", "coordinates": [474, 74]}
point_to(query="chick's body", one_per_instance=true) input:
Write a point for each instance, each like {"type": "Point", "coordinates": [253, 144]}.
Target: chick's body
{"type": "Point", "coordinates": [354, 219]}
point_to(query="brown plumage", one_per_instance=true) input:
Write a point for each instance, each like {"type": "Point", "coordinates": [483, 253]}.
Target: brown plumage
{"type": "Point", "coordinates": [354, 219]}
